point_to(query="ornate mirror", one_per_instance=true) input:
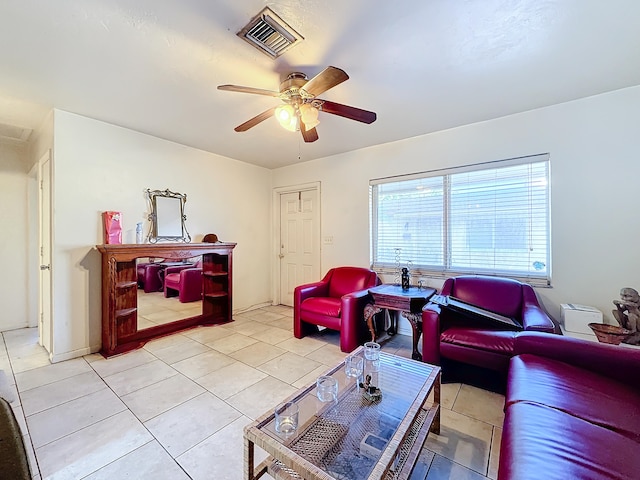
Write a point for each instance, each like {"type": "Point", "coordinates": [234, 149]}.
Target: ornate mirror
{"type": "Point", "coordinates": [167, 216]}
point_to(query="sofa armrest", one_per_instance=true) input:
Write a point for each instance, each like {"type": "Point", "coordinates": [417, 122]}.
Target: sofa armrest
{"type": "Point", "coordinates": [353, 328]}
{"type": "Point", "coordinates": [534, 318]}
{"type": "Point", "coordinates": [353, 304]}
{"type": "Point", "coordinates": [191, 277]}
{"type": "Point", "coordinates": [308, 290]}
{"type": "Point", "coordinates": [610, 360]}
{"type": "Point", "coordinates": [431, 333]}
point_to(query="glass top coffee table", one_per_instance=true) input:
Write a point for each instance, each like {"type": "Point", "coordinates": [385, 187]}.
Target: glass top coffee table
{"type": "Point", "coordinates": [353, 438]}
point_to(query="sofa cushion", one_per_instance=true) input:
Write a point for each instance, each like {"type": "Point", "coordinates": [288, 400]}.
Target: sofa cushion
{"type": "Point", "coordinates": [322, 306]}
{"type": "Point", "coordinates": [542, 442]}
{"type": "Point", "coordinates": [576, 391]}
{"type": "Point", "coordinates": [500, 341]}
{"type": "Point", "coordinates": [172, 280]}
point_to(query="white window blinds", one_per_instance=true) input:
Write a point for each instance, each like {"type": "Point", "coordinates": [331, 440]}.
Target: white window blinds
{"type": "Point", "coordinates": [490, 219]}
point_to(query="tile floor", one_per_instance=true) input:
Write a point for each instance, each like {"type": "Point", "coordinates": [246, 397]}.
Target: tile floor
{"type": "Point", "coordinates": [176, 408]}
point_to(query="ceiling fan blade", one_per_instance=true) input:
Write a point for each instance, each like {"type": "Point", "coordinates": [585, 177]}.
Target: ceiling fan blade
{"type": "Point", "coordinates": [255, 120]}
{"type": "Point", "coordinates": [257, 91]}
{"type": "Point", "coordinates": [310, 135]}
{"type": "Point", "coordinates": [326, 79]}
{"type": "Point", "coordinates": [352, 113]}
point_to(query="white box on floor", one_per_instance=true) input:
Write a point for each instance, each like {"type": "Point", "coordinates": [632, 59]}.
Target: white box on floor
{"type": "Point", "coordinates": [576, 318]}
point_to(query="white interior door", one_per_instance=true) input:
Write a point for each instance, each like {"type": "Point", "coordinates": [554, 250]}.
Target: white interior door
{"type": "Point", "coordinates": [44, 310]}
{"type": "Point", "coordinates": [299, 241]}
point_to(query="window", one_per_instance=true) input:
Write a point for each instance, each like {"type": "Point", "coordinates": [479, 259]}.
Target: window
{"type": "Point", "coordinates": [490, 219]}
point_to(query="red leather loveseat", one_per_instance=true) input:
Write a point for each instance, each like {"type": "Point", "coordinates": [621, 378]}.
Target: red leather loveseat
{"type": "Point", "coordinates": [336, 302]}
{"type": "Point", "coordinates": [447, 334]}
{"type": "Point", "coordinates": [572, 410]}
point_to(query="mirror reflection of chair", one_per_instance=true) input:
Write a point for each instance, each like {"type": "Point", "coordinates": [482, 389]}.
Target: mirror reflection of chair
{"type": "Point", "coordinates": [185, 282]}
{"type": "Point", "coordinates": [149, 277]}
{"type": "Point", "coordinates": [336, 302]}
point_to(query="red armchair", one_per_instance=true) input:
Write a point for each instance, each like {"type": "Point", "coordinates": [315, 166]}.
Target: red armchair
{"type": "Point", "coordinates": [336, 302]}
{"type": "Point", "coordinates": [184, 281]}
{"type": "Point", "coordinates": [447, 334]}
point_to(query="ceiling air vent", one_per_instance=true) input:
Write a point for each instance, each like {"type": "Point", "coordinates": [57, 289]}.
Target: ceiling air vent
{"type": "Point", "coordinates": [269, 33]}
{"type": "Point", "coordinates": [13, 134]}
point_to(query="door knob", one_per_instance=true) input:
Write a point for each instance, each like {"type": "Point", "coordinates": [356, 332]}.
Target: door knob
{"type": "Point", "coordinates": [281, 256]}
{"type": "Point", "coordinates": [45, 267]}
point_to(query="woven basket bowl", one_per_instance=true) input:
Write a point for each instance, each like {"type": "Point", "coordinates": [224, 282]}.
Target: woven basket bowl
{"type": "Point", "coordinates": [609, 333]}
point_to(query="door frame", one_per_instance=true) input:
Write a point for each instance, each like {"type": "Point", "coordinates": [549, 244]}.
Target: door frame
{"type": "Point", "coordinates": [46, 159]}
{"type": "Point", "coordinates": [33, 246]}
{"type": "Point", "coordinates": [275, 203]}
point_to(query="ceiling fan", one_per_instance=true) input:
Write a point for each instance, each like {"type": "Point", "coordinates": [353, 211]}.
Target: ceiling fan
{"type": "Point", "coordinates": [301, 106]}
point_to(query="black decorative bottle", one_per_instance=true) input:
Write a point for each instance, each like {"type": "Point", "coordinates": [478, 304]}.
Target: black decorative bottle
{"type": "Point", "coordinates": [405, 278]}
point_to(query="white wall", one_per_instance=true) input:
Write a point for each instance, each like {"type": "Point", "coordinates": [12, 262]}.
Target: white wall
{"type": "Point", "coordinates": [101, 167]}
{"type": "Point", "coordinates": [13, 237]}
{"type": "Point", "coordinates": [594, 147]}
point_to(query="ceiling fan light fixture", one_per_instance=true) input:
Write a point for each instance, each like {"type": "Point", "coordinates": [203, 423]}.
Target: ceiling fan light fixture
{"type": "Point", "coordinates": [287, 117]}
{"type": "Point", "coordinates": [309, 115]}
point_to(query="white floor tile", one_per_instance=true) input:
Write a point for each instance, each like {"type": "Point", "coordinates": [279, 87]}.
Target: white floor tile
{"type": "Point", "coordinates": [162, 396]}
{"type": "Point", "coordinates": [231, 379]}
{"type": "Point", "coordinates": [175, 353]}
{"type": "Point", "coordinates": [150, 461]}
{"type": "Point", "coordinates": [261, 397]}
{"type": "Point", "coordinates": [289, 367]}
{"type": "Point", "coordinates": [109, 366]}
{"type": "Point", "coordinates": [203, 364]}
{"type": "Point", "coordinates": [186, 425]}
{"type": "Point", "coordinates": [45, 427]}
{"type": "Point", "coordinates": [41, 398]}
{"type": "Point", "coordinates": [91, 448]}
{"type": "Point", "coordinates": [51, 373]}
{"type": "Point", "coordinates": [139, 377]}
{"type": "Point", "coordinates": [220, 456]}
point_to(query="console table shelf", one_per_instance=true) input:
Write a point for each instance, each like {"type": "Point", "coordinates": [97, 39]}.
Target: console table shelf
{"type": "Point", "coordinates": [119, 291]}
{"type": "Point", "coordinates": [215, 294]}
{"type": "Point", "coordinates": [125, 312]}
{"type": "Point", "coordinates": [215, 274]}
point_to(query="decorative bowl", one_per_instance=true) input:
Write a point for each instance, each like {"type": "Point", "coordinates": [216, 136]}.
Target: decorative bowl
{"type": "Point", "coordinates": [609, 333]}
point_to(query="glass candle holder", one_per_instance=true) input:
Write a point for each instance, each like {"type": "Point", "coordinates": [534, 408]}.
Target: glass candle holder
{"type": "Point", "coordinates": [372, 351]}
{"type": "Point", "coordinates": [286, 418]}
{"type": "Point", "coordinates": [353, 366]}
{"type": "Point", "coordinates": [327, 389]}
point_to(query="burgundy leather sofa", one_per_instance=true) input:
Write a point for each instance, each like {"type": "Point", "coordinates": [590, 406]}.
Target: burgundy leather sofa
{"type": "Point", "coordinates": [572, 410]}
{"type": "Point", "coordinates": [184, 281]}
{"type": "Point", "coordinates": [336, 302]}
{"type": "Point", "coordinates": [447, 334]}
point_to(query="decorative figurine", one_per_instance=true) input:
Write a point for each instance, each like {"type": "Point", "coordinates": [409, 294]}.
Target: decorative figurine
{"type": "Point", "coordinates": [627, 314]}
{"type": "Point", "coordinates": [405, 278]}
{"type": "Point", "coordinates": [371, 393]}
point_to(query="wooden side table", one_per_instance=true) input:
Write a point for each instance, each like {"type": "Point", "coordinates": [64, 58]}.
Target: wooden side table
{"type": "Point", "coordinates": [408, 302]}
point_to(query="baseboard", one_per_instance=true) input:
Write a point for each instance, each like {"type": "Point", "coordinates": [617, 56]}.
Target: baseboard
{"type": "Point", "coordinates": [61, 357]}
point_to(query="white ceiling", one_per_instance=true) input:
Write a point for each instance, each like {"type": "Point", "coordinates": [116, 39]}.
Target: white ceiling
{"type": "Point", "coordinates": [422, 65]}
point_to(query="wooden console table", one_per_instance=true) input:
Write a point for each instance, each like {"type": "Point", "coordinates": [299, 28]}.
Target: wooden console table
{"type": "Point", "coordinates": [119, 291]}
{"type": "Point", "coordinates": [408, 302]}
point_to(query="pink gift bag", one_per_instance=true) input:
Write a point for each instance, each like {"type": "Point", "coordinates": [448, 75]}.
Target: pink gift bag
{"type": "Point", "coordinates": [112, 227]}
